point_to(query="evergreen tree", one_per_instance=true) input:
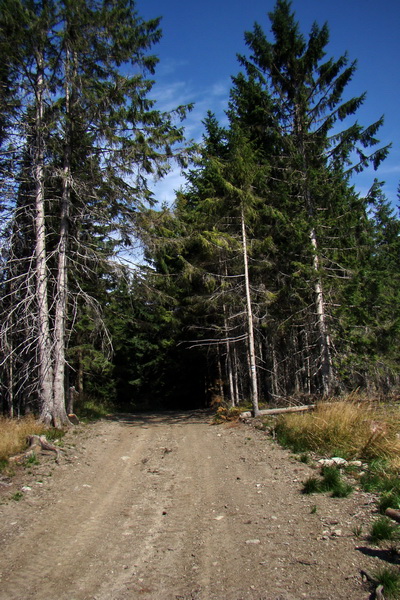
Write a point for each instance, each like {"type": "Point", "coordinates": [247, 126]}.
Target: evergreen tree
{"type": "Point", "coordinates": [95, 141]}
{"type": "Point", "coordinates": [299, 99]}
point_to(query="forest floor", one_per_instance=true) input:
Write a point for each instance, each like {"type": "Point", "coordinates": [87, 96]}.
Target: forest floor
{"type": "Point", "coordinates": [170, 507]}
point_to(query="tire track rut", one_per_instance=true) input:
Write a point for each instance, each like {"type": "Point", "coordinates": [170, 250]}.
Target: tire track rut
{"type": "Point", "coordinates": [167, 507]}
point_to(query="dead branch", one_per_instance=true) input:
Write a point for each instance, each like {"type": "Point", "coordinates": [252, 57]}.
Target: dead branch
{"type": "Point", "coordinates": [393, 514]}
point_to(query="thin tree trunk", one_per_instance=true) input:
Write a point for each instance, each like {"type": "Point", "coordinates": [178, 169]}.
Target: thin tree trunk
{"type": "Point", "coordinates": [325, 343]}
{"type": "Point", "coordinates": [44, 342]}
{"type": "Point", "coordinates": [60, 415]}
{"type": "Point", "coordinates": [250, 330]}
{"type": "Point", "coordinates": [229, 366]}
{"type": "Point", "coordinates": [275, 374]}
{"type": "Point", "coordinates": [220, 381]}
{"type": "Point", "coordinates": [235, 374]}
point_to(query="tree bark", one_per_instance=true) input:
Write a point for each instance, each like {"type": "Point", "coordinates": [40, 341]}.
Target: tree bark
{"type": "Point", "coordinates": [278, 411]}
{"type": "Point", "coordinates": [325, 343]}
{"type": "Point", "coordinates": [59, 412]}
{"type": "Point", "coordinates": [44, 341]}
{"type": "Point", "coordinates": [250, 329]}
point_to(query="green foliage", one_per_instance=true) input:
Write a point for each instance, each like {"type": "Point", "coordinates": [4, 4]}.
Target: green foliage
{"type": "Point", "coordinates": [174, 331]}
{"type": "Point", "coordinates": [89, 409]}
{"type": "Point", "coordinates": [379, 477]}
{"type": "Point", "coordinates": [53, 434]}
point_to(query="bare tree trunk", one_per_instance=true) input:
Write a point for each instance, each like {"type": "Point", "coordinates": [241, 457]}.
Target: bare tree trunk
{"type": "Point", "coordinates": [250, 330]}
{"type": "Point", "coordinates": [220, 381]}
{"type": "Point", "coordinates": [235, 374]}
{"type": "Point", "coordinates": [229, 366]}
{"type": "Point", "coordinates": [275, 373]}
{"type": "Point", "coordinates": [59, 413]}
{"type": "Point", "coordinates": [44, 341]}
{"type": "Point", "coordinates": [325, 343]}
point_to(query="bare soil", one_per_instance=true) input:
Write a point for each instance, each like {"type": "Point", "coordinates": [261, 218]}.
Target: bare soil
{"type": "Point", "coordinates": [171, 507]}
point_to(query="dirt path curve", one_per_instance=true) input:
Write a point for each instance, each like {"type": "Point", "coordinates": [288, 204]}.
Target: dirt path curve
{"type": "Point", "coordinates": [167, 507]}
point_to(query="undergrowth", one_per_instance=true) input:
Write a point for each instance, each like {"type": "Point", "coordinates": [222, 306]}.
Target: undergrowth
{"type": "Point", "coordinates": [361, 430]}
{"type": "Point", "coordinates": [14, 434]}
{"type": "Point", "coordinates": [91, 410]}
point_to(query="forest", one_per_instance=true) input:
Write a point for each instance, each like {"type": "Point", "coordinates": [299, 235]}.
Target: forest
{"type": "Point", "coordinates": [269, 279]}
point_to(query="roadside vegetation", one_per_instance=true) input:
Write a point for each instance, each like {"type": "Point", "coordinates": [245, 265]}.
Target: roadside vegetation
{"type": "Point", "coordinates": [14, 434]}
{"type": "Point", "coordinates": [349, 429]}
{"type": "Point", "coordinates": [354, 430]}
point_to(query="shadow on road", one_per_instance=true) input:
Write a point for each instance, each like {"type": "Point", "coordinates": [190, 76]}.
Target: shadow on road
{"type": "Point", "coordinates": [390, 556]}
{"type": "Point", "coordinates": [156, 419]}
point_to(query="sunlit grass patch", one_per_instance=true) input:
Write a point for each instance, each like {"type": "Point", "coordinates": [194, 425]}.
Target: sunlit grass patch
{"type": "Point", "coordinates": [348, 429]}
{"type": "Point", "coordinates": [14, 433]}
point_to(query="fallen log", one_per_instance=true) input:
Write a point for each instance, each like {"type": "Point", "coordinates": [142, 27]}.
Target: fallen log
{"type": "Point", "coordinates": [278, 411]}
{"type": "Point", "coordinates": [393, 514]}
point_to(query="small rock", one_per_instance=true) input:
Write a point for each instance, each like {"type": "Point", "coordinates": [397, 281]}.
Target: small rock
{"type": "Point", "coordinates": [355, 463]}
{"type": "Point", "coordinates": [336, 533]}
{"type": "Point", "coordinates": [26, 488]}
{"type": "Point", "coordinates": [335, 461]}
{"type": "Point", "coordinates": [253, 541]}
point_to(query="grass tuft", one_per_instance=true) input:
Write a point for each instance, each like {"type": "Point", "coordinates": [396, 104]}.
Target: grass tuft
{"type": "Point", "coordinates": [383, 530]}
{"type": "Point", "coordinates": [389, 578]}
{"type": "Point", "coordinates": [312, 486]}
{"type": "Point", "coordinates": [331, 481]}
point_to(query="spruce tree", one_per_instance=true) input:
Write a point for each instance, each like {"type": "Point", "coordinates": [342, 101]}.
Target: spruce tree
{"type": "Point", "coordinates": [299, 99]}
{"type": "Point", "coordinates": [82, 78]}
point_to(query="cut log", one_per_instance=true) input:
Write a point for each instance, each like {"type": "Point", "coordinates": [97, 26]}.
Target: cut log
{"type": "Point", "coordinates": [73, 418]}
{"type": "Point", "coordinates": [393, 514]}
{"type": "Point", "coordinates": [278, 411]}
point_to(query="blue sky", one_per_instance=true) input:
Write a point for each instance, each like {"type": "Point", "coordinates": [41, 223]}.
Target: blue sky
{"type": "Point", "coordinates": [202, 38]}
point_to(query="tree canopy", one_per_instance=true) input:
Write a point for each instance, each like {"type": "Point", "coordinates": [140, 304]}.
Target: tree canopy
{"type": "Point", "coordinates": [269, 277]}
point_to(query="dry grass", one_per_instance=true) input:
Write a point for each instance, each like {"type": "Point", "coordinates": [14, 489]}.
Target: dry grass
{"type": "Point", "coordinates": [350, 429]}
{"type": "Point", "coordinates": [13, 434]}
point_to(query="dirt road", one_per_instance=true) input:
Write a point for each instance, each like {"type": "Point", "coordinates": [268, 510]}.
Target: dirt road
{"type": "Point", "coordinates": [168, 507]}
